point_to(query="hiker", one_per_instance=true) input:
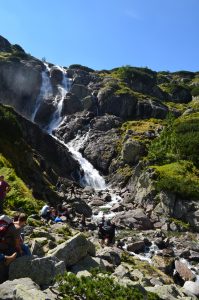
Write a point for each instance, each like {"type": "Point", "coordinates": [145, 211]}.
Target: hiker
{"type": "Point", "coordinates": [106, 232]}
{"type": "Point", "coordinates": [72, 190]}
{"type": "Point", "coordinates": [45, 212]}
{"type": "Point", "coordinates": [4, 189]}
{"type": "Point", "coordinates": [9, 237]}
{"type": "Point", "coordinates": [19, 224]}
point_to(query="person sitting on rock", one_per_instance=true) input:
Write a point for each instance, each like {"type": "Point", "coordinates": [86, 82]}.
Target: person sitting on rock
{"type": "Point", "coordinates": [62, 211]}
{"type": "Point", "coordinates": [19, 224]}
{"type": "Point", "coordinates": [45, 212]}
{"type": "Point", "coordinates": [9, 238]}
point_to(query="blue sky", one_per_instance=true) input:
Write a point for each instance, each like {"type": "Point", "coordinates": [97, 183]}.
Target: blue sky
{"type": "Point", "coordinates": [103, 34]}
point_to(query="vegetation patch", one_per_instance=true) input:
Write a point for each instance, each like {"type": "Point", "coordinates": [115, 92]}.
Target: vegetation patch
{"type": "Point", "coordinates": [181, 177]}
{"type": "Point", "coordinates": [19, 197]}
{"type": "Point", "coordinates": [98, 286]}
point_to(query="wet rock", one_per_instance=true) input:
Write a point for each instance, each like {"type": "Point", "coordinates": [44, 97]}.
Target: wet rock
{"type": "Point", "coordinates": [136, 246]}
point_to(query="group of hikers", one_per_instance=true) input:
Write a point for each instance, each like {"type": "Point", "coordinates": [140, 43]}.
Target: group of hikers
{"type": "Point", "coordinates": [11, 229]}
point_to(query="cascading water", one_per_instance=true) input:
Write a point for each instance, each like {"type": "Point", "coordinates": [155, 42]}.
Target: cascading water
{"type": "Point", "coordinates": [58, 101]}
{"type": "Point", "coordinates": [45, 90]}
{"type": "Point", "coordinates": [91, 176]}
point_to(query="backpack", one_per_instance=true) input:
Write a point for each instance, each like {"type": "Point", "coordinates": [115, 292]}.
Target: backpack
{"type": "Point", "coordinates": [5, 223]}
{"type": "Point", "coordinates": [107, 228]}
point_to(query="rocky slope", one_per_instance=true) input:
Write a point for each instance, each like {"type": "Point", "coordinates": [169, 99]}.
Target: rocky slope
{"type": "Point", "coordinates": [141, 131]}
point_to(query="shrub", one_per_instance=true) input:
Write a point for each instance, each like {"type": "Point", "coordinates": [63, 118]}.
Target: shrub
{"type": "Point", "coordinates": [178, 141]}
{"type": "Point", "coordinates": [98, 287]}
{"type": "Point", "coordinates": [180, 177]}
{"type": "Point", "coordinates": [195, 91]}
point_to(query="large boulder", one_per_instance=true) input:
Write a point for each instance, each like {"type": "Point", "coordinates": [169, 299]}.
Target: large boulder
{"type": "Point", "coordinates": [132, 151]}
{"type": "Point", "coordinates": [73, 250]}
{"type": "Point", "coordinates": [40, 270]}
{"type": "Point", "coordinates": [133, 219]}
{"type": "Point", "coordinates": [191, 288]}
{"type": "Point", "coordinates": [21, 289]}
{"type": "Point", "coordinates": [184, 272]}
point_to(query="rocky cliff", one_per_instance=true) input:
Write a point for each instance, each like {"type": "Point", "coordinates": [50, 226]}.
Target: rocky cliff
{"type": "Point", "coordinates": [138, 127]}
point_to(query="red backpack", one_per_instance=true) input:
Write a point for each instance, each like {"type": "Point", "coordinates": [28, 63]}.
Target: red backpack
{"type": "Point", "coordinates": [5, 223]}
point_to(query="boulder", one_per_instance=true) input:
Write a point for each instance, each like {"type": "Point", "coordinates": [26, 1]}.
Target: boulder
{"type": "Point", "coordinates": [191, 287]}
{"type": "Point", "coordinates": [165, 264]}
{"type": "Point", "coordinates": [184, 272]}
{"type": "Point", "coordinates": [134, 219]}
{"type": "Point", "coordinates": [73, 250]}
{"type": "Point", "coordinates": [166, 292]}
{"type": "Point", "coordinates": [136, 246]}
{"type": "Point", "coordinates": [21, 289]}
{"type": "Point", "coordinates": [37, 246]}
{"type": "Point", "coordinates": [112, 255]}
{"type": "Point", "coordinates": [81, 207]}
{"type": "Point", "coordinates": [88, 263]}
{"type": "Point", "coordinates": [40, 270]}
{"type": "Point", "coordinates": [132, 151]}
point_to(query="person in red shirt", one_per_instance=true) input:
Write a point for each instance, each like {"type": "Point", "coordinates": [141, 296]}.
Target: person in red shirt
{"type": "Point", "coordinates": [4, 189]}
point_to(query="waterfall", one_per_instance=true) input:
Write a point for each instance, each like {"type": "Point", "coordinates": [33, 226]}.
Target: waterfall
{"type": "Point", "coordinates": [91, 176]}
{"type": "Point", "coordinates": [45, 90]}
{"type": "Point", "coordinates": [58, 101]}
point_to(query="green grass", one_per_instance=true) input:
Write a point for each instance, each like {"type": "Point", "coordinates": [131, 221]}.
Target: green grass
{"type": "Point", "coordinates": [180, 177]}
{"type": "Point", "coordinates": [19, 197]}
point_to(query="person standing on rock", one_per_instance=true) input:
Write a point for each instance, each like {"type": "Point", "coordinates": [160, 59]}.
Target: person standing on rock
{"type": "Point", "coordinates": [4, 189]}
